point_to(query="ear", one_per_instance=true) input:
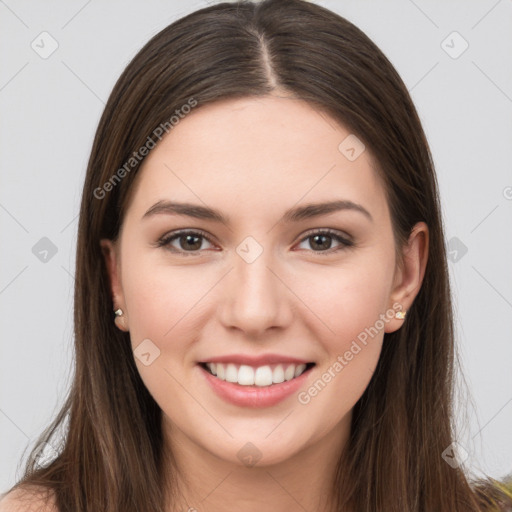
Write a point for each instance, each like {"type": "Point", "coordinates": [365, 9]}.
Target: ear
{"type": "Point", "coordinates": [409, 277]}
{"type": "Point", "coordinates": [110, 251]}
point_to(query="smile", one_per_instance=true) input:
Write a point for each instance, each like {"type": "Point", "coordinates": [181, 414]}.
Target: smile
{"type": "Point", "coordinates": [261, 376]}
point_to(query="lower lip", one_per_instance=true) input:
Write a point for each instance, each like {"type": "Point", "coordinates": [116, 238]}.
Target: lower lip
{"type": "Point", "coordinates": [254, 396]}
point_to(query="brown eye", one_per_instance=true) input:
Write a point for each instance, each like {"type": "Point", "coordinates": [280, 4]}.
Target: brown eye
{"type": "Point", "coordinates": [190, 242]}
{"type": "Point", "coordinates": [187, 241]}
{"type": "Point", "coordinates": [321, 241]}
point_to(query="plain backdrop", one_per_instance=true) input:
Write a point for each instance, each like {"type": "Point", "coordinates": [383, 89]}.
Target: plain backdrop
{"type": "Point", "coordinates": [59, 62]}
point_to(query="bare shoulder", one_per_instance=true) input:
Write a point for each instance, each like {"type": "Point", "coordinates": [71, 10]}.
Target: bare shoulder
{"type": "Point", "coordinates": [28, 500]}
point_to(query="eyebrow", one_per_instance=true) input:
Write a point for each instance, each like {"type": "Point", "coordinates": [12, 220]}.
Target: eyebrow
{"type": "Point", "coordinates": [295, 214]}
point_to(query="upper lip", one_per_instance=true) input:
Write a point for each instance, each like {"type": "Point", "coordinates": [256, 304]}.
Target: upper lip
{"type": "Point", "coordinates": [262, 360]}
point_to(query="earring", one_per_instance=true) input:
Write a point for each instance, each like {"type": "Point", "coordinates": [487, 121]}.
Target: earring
{"type": "Point", "coordinates": [400, 314]}
{"type": "Point", "coordinates": [120, 320]}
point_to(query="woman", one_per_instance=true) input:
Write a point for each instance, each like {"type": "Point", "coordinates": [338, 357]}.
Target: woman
{"type": "Point", "coordinates": [262, 305]}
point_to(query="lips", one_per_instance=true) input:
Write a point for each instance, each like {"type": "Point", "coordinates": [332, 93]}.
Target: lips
{"type": "Point", "coordinates": [254, 396]}
{"type": "Point", "coordinates": [255, 361]}
{"type": "Point", "coordinates": [255, 381]}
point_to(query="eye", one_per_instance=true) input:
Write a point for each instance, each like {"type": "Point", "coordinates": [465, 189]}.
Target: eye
{"type": "Point", "coordinates": [187, 241]}
{"type": "Point", "coordinates": [323, 240]}
{"type": "Point", "coordinates": [191, 241]}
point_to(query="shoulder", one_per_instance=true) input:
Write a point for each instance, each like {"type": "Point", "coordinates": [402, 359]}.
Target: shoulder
{"type": "Point", "coordinates": [493, 495]}
{"type": "Point", "coordinates": [33, 499]}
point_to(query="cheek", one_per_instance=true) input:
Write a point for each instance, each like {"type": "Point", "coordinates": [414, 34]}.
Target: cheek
{"type": "Point", "coordinates": [160, 298]}
{"type": "Point", "coordinates": [351, 303]}
{"type": "Point", "coordinates": [163, 305]}
{"type": "Point", "coordinates": [347, 299]}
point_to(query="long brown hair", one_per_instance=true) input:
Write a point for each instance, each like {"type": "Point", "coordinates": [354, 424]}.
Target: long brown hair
{"type": "Point", "coordinates": [111, 457]}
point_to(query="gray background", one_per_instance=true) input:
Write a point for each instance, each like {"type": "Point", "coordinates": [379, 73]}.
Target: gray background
{"type": "Point", "coordinates": [49, 111]}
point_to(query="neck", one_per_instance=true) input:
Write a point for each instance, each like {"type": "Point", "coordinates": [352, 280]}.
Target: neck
{"type": "Point", "coordinates": [207, 483]}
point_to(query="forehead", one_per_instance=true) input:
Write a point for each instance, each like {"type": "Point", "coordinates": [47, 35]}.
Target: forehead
{"type": "Point", "coordinates": [258, 151]}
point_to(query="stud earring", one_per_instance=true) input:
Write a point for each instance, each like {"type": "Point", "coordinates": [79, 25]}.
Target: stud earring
{"type": "Point", "coordinates": [120, 320]}
{"type": "Point", "coordinates": [400, 314]}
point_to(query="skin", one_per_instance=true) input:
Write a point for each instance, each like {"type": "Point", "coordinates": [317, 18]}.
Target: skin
{"type": "Point", "coordinates": [252, 159]}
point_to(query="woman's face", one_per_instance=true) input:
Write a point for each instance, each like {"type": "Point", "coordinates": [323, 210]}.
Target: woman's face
{"type": "Point", "coordinates": [246, 277]}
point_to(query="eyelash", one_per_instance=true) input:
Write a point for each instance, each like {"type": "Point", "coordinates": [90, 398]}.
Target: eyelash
{"type": "Point", "coordinates": [169, 237]}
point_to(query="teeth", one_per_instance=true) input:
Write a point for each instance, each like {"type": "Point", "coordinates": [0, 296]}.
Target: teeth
{"type": "Point", "coordinates": [299, 370]}
{"type": "Point", "coordinates": [221, 372]}
{"type": "Point", "coordinates": [246, 375]}
{"type": "Point", "coordinates": [231, 373]}
{"type": "Point", "coordinates": [261, 376]}
{"type": "Point", "coordinates": [278, 374]}
{"type": "Point", "coordinates": [289, 372]}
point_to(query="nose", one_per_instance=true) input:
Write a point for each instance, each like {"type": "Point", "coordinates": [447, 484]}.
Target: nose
{"type": "Point", "coordinates": [255, 297]}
